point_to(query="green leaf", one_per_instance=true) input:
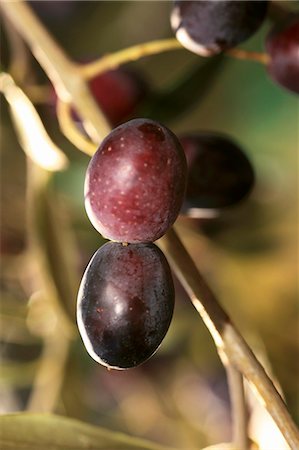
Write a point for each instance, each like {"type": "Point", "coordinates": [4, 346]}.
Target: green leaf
{"type": "Point", "coordinates": [25, 431]}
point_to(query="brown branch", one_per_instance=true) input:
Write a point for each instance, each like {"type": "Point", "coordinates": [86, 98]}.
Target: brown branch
{"type": "Point", "coordinates": [63, 73]}
{"type": "Point", "coordinates": [114, 60]}
{"type": "Point", "coordinates": [230, 344]}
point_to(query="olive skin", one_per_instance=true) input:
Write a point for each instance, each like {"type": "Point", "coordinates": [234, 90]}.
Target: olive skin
{"type": "Point", "coordinates": [135, 182]}
{"type": "Point", "coordinates": [282, 45]}
{"type": "Point", "coordinates": [210, 27]}
{"type": "Point", "coordinates": [118, 92]}
{"type": "Point", "coordinates": [220, 174]}
{"type": "Point", "coordinates": [125, 304]}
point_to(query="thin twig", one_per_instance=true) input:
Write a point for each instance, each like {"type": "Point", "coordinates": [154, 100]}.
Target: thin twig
{"type": "Point", "coordinates": [114, 60]}
{"type": "Point", "coordinates": [230, 344]}
{"type": "Point", "coordinates": [70, 130]}
{"type": "Point", "coordinates": [238, 406]}
{"type": "Point", "coordinates": [239, 53]}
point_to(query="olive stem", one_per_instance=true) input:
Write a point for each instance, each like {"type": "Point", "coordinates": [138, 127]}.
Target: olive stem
{"type": "Point", "coordinates": [230, 345]}
{"type": "Point", "coordinates": [239, 53]}
{"type": "Point", "coordinates": [134, 53]}
{"type": "Point", "coordinates": [64, 74]}
{"type": "Point", "coordinates": [238, 407]}
{"type": "Point", "coordinates": [114, 60]}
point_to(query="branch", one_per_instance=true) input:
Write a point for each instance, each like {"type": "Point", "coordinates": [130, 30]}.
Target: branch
{"type": "Point", "coordinates": [114, 60]}
{"type": "Point", "coordinates": [134, 53]}
{"type": "Point", "coordinates": [229, 343]}
{"type": "Point", "coordinates": [63, 73]}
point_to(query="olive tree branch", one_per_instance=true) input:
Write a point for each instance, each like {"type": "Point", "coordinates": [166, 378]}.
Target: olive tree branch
{"type": "Point", "coordinates": [230, 345]}
{"type": "Point", "coordinates": [64, 74]}
{"type": "Point", "coordinates": [114, 60]}
{"type": "Point", "coordinates": [134, 53]}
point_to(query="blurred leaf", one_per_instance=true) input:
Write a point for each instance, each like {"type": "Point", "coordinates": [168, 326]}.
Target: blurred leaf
{"type": "Point", "coordinates": [185, 92]}
{"type": "Point", "coordinates": [221, 446]}
{"type": "Point", "coordinates": [50, 432]}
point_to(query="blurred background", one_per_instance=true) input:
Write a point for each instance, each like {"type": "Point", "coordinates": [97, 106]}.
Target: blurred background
{"type": "Point", "coordinates": [249, 254]}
